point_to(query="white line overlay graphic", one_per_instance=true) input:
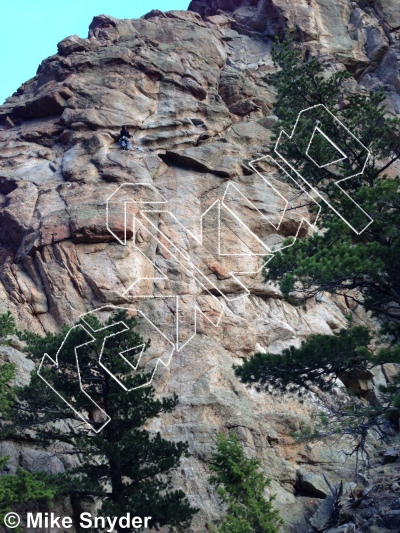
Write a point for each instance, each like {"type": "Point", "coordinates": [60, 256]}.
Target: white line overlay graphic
{"type": "Point", "coordinates": [91, 333]}
{"type": "Point", "coordinates": [325, 117]}
{"type": "Point", "coordinates": [140, 209]}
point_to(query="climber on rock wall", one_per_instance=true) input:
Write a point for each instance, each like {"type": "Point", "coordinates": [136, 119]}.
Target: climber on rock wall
{"type": "Point", "coordinates": [124, 137]}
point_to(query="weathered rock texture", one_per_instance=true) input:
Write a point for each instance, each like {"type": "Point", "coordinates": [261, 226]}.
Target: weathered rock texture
{"type": "Point", "coordinates": [193, 88]}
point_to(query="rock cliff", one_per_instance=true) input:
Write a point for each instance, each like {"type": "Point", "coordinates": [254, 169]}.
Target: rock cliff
{"type": "Point", "coordinates": [194, 90]}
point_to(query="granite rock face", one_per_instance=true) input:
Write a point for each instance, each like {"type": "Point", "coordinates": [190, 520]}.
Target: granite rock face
{"type": "Point", "coordinates": [193, 89]}
{"type": "Point", "coordinates": [361, 35]}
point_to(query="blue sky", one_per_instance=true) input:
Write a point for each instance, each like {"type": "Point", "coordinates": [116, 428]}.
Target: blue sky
{"type": "Point", "coordinates": [31, 29]}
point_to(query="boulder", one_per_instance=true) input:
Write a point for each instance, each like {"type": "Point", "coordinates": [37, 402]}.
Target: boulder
{"type": "Point", "coordinates": [323, 513]}
{"type": "Point", "coordinates": [391, 12]}
{"type": "Point", "coordinates": [390, 455]}
{"type": "Point", "coordinates": [313, 484]}
{"type": "Point", "coordinates": [345, 528]}
{"type": "Point", "coordinates": [23, 365]}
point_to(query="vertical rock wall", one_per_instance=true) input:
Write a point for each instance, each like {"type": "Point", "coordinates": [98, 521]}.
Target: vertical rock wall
{"type": "Point", "coordinates": [195, 93]}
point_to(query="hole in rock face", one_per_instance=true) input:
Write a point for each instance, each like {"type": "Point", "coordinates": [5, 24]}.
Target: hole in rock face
{"type": "Point", "coordinates": [7, 186]}
{"type": "Point", "coordinates": [11, 232]}
{"type": "Point", "coordinates": [6, 254]}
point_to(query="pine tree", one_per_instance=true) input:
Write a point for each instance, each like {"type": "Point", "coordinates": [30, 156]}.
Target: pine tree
{"type": "Point", "coordinates": [241, 486]}
{"type": "Point", "coordinates": [363, 268]}
{"type": "Point", "coordinates": [318, 362]}
{"type": "Point", "coordinates": [337, 260]}
{"type": "Point", "coordinates": [7, 324]}
{"type": "Point", "coordinates": [316, 366]}
{"type": "Point", "coordinates": [23, 486]}
{"type": "Point", "coordinates": [123, 466]}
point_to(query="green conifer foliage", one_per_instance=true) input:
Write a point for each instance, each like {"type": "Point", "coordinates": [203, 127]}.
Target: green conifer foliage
{"type": "Point", "coordinates": [23, 486]}
{"type": "Point", "coordinates": [363, 268]}
{"type": "Point", "coordinates": [124, 466]}
{"type": "Point", "coordinates": [241, 486]}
